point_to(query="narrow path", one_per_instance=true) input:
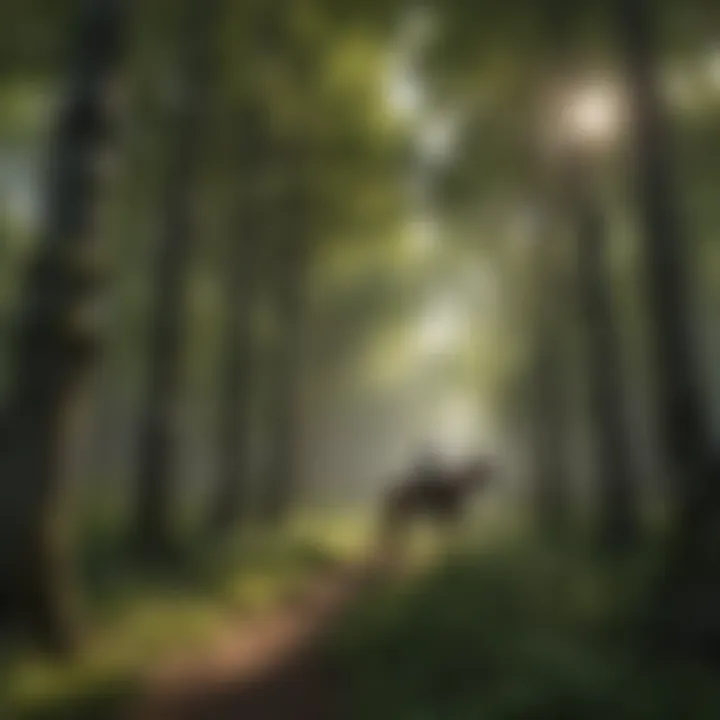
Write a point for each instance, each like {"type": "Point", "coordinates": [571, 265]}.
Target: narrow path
{"type": "Point", "coordinates": [268, 668]}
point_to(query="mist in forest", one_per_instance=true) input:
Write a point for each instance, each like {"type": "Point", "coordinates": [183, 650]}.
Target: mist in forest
{"type": "Point", "coordinates": [359, 359]}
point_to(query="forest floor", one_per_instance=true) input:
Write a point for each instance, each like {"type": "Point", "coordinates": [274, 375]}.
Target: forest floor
{"type": "Point", "coordinates": [269, 667]}
{"type": "Point", "coordinates": [261, 597]}
{"type": "Point", "coordinates": [278, 665]}
{"type": "Point", "coordinates": [498, 627]}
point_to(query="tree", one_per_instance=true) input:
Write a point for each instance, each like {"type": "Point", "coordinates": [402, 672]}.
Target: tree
{"type": "Point", "coordinates": [549, 408]}
{"type": "Point", "coordinates": [612, 459]}
{"type": "Point", "coordinates": [291, 263]}
{"type": "Point", "coordinates": [686, 600]}
{"type": "Point", "coordinates": [57, 341]}
{"type": "Point", "coordinates": [682, 417]}
{"type": "Point", "coordinates": [242, 286]}
{"type": "Point", "coordinates": [190, 98]}
{"type": "Point", "coordinates": [550, 335]}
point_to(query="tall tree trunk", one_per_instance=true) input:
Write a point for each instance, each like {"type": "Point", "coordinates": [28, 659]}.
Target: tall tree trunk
{"type": "Point", "coordinates": [550, 441]}
{"type": "Point", "coordinates": [239, 364]}
{"type": "Point", "coordinates": [153, 533]}
{"type": "Point", "coordinates": [551, 480]}
{"type": "Point", "coordinates": [613, 460]}
{"type": "Point", "coordinates": [683, 422]}
{"type": "Point", "coordinates": [56, 345]}
{"type": "Point", "coordinates": [686, 610]}
{"type": "Point", "coordinates": [285, 419]}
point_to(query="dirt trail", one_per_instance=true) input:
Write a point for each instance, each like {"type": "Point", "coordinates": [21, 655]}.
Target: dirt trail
{"type": "Point", "coordinates": [268, 668]}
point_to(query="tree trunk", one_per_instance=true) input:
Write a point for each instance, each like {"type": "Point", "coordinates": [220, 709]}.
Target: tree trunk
{"type": "Point", "coordinates": [285, 420]}
{"type": "Point", "coordinates": [153, 521]}
{"type": "Point", "coordinates": [56, 344]}
{"type": "Point", "coordinates": [613, 461]}
{"type": "Point", "coordinates": [686, 609]}
{"type": "Point", "coordinates": [550, 441]}
{"type": "Point", "coordinates": [241, 292]}
{"type": "Point", "coordinates": [551, 480]}
{"type": "Point", "coordinates": [683, 422]}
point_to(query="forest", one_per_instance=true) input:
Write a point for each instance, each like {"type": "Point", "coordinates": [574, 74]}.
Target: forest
{"type": "Point", "coordinates": [359, 360]}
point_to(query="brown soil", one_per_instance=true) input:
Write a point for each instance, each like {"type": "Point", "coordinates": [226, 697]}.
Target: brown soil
{"type": "Point", "coordinates": [268, 668]}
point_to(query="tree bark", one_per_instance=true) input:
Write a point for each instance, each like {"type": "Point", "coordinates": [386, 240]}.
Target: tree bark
{"type": "Point", "coordinates": [238, 372]}
{"type": "Point", "coordinates": [153, 520]}
{"type": "Point", "coordinates": [57, 341]}
{"type": "Point", "coordinates": [686, 609]}
{"type": "Point", "coordinates": [551, 480]}
{"type": "Point", "coordinates": [613, 461]}
{"type": "Point", "coordinates": [285, 405]}
{"type": "Point", "coordinates": [682, 416]}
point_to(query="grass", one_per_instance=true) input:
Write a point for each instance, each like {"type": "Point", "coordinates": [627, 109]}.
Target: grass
{"type": "Point", "coordinates": [500, 628]}
{"type": "Point", "coordinates": [139, 617]}
{"type": "Point", "coordinates": [516, 632]}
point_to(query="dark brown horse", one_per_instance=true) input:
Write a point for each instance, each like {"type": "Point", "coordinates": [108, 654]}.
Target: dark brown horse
{"type": "Point", "coordinates": [441, 495]}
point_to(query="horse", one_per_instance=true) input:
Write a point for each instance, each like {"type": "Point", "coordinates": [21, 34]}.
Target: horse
{"type": "Point", "coordinates": [439, 494]}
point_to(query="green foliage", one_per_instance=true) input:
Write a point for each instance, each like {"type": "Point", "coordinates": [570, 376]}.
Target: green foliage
{"type": "Point", "coordinates": [298, 106]}
{"type": "Point", "coordinates": [517, 632]}
{"type": "Point", "coordinates": [138, 617]}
